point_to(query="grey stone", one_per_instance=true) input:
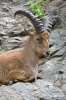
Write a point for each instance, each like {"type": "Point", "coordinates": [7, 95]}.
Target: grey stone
{"type": "Point", "coordinates": [31, 91]}
{"type": "Point", "coordinates": [13, 43]}
{"type": "Point", "coordinates": [1, 40]}
{"type": "Point", "coordinates": [6, 0]}
{"type": "Point", "coordinates": [59, 2]}
{"type": "Point", "coordinates": [1, 28]}
{"type": "Point", "coordinates": [61, 71]}
{"type": "Point", "coordinates": [58, 49]}
{"type": "Point", "coordinates": [54, 15]}
{"type": "Point", "coordinates": [64, 88]}
{"type": "Point", "coordinates": [3, 34]}
{"type": "Point", "coordinates": [3, 23]}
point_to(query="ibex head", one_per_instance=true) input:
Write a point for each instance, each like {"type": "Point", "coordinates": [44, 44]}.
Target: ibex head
{"type": "Point", "coordinates": [38, 40]}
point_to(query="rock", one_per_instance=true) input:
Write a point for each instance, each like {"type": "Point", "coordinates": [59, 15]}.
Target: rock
{"type": "Point", "coordinates": [40, 90]}
{"type": "Point", "coordinates": [54, 14]}
{"type": "Point", "coordinates": [6, 0]}
{"type": "Point", "coordinates": [57, 83]}
{"type": "Point", "coordinates": [1, 40]}
{"type": "Point", "coordinates": [61, 72]}
{"type": "Point", "coordinates": [8, 20]}
{"type": "Point", "coordinates": [1, 28]}
{"type": "Point", "coordinates": [17, 33]}
{"type": "Point", "coordinates": [64, 88]}
{"type": "Point", "coordinates": [50, 71]}
{"type": "Point", "coordinates": [59, 2]}
{"type": "Point", "coordinates": [59, 37]}
{"type": "Point", "coordinates": [13, 43]}
{"type": "Point", "coordinates": [3, 34]}
{"type": "Point", "coordinates": [3, 23]}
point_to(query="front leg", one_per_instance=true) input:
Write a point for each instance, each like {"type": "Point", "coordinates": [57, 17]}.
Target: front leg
{"type": "Point", "coordinates": [20, 75]}
{"type": "Point", "coordinates": [36, 72]}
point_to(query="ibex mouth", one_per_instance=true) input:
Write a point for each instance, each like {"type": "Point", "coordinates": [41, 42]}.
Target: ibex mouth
{"type": "Point", "coordinates": [42, 56]}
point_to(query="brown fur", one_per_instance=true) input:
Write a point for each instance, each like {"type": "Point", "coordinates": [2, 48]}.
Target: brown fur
{"type": "Point", "coordinates": [21, 64]}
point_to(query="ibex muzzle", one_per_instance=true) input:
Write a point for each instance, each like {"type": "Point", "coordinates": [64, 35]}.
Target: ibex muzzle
{"type": "Point", "coordinates": [21, 64]}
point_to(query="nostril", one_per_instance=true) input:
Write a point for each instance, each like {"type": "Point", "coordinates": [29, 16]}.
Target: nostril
{"type": "Point", "coordinates": [47, 52]}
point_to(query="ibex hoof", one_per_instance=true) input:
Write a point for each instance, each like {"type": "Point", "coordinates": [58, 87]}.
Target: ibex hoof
{"type": "Point", "coordinates": [13, 82]}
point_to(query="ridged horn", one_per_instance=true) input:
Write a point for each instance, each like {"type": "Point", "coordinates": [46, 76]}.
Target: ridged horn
{"type": "Point", "coordinates": [48, 23]}
{"type": "Point", "coordinates": [39, 27]}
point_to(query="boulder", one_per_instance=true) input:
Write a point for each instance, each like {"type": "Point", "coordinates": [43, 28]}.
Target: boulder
{"type": "Point", "coordinates": [39, 90]}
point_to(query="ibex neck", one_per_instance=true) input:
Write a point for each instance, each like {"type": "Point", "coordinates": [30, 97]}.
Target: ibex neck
{"type": "Point", "coordinates": [30, 56]}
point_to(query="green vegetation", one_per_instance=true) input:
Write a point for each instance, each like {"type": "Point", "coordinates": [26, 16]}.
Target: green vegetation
{"type": "Point", "coordinates": [37, 8]}
{"type": "Point", "coordinates": [47, 1]}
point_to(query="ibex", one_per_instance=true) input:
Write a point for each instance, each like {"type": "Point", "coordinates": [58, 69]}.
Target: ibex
{"type": "Point", "coordinates": [21, 64]}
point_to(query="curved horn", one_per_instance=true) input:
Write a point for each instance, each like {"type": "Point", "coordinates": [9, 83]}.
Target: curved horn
{"type": "Point", "coordinates": [48, 23]}
{"type": "Point", "coordinates": [39, 27]}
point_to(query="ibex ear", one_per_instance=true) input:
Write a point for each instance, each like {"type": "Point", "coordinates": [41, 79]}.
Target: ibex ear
{"type": "Point", "coordinates": [46, 34]}
{"type": "Point", "coordinates": [27, 32]}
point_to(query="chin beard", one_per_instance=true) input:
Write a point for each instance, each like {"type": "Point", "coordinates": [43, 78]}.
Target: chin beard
{"type": "Point", "coordinates": [41, 56]}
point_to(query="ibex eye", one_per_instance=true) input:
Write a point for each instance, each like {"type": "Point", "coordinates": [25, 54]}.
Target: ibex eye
{"type": "Point", "coordinates": [39, 39]}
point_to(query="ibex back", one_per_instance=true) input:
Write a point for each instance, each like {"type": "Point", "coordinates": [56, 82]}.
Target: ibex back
{"type": "Point", "coordinates": [21, 64]}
